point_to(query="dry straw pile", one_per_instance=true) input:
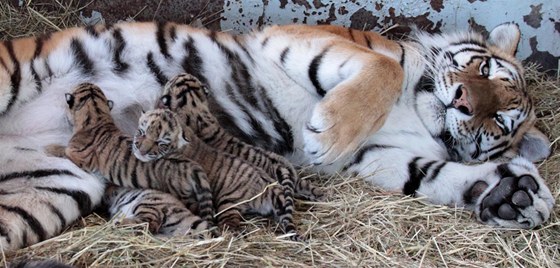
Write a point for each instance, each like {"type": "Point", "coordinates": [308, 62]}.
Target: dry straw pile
{"type": "Point", "coordinates": [360, 225]}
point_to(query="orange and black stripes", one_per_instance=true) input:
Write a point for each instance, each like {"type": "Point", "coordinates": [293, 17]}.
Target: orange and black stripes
{"type": "Point", "coordinates": [185, 95]}
{"type": "Point", "coordinates": [120, 44]}
{"type": "Point", "coordinates": [232, 179]}
{"type": "Point", "coordinates": [15, 77]}
{"type": "Point", "coordinates": [83, 60]}
{"type": "Point", "coordinates": [98, 145]}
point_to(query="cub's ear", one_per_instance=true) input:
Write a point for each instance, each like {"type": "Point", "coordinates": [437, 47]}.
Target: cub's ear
{"type": "Point", "coordinates": [69, 100]}
{"type": "Point", "coordinates": [506, 37]}
{"type": "Point", "coordinates": [534, 145]}
{"type": "Point", "coordinates": [110, 103]}
{"type": "Point", "coordinates": [164, 102]}
{"type": "Point", "coordinates": [183, 140]}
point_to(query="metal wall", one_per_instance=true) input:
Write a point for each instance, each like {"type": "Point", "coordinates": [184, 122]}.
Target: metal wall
{"type": "Point", "coordinates": [539, 20]}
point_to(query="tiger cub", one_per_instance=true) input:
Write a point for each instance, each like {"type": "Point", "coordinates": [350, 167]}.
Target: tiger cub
{"type": "Point", "coordinates": [164, 214]}
{"type": "Point", "coordinates": [185, 95]}
{"type": "Point", "coordinates": [239, 188]}
{"type": "Point", "coordinates": [98, 146]}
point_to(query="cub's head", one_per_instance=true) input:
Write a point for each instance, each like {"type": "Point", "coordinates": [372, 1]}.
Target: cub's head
{"type": "Point", "coordinates": [483, 108]}
{"type": "Point", "coordinates": [159, 133]}
{"type": "Point", "coordinates": [87, 105]}
{"type": "Point", "coordinates": [188, 97]}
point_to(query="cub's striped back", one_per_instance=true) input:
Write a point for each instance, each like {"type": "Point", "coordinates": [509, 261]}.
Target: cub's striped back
{"type": "Point", "coordinates": [239, 188]}
{"type": "Point", "coordinates": [164, 214]}
{"type": "Point", "coordinates": [187, 96]}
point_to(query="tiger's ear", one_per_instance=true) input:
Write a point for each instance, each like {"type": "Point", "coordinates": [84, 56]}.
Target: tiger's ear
{"type": "Point", "coordinates": [110, 104]}
{"type": "Point", "coordinates": [69, 100]}
{"type": "Point", "coordinates": [534, 145]}
{"type": "Point", "coordinates": [506, 37]}
{"type": "Point", "coordinates": [182, 140]}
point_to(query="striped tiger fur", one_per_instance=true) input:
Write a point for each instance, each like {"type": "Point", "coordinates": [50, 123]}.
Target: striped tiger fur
{"type": "Point", "coordinates": [98, 146]}
{"type": "Point", "coordinates": [39, 200]}
{"type": "Point", "coordinates": [239, 188]}
{"type": "Point", "coordinates": [164, 213]}
{"type": "Point", "coordinates": [186, 96]}
{"type": "Point", "coordinates": [404, 115]}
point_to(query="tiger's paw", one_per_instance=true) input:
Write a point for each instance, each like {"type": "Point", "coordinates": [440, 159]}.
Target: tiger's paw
{"type": "Point", "coordinates": [520, 199]}
{"type": "Point", "coordinates": [336, 129]}
{"type": "Point", "coordinates": [325, 139]}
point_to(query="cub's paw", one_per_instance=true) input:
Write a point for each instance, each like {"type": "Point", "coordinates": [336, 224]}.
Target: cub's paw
{"type": "Point", "coordinates": [520, 199]}
{"type": "Point", "coordinates": [55, 150]}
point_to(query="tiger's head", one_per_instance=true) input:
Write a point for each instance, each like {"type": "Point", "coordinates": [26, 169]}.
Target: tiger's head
{"type": "Point", "coordinates": [87, 105]}
{"type": "Point", "coordinates": [159, 133]}
{"type": "Point", "coordinates": [482, 107]}
{"type": "Point", "coordinates": [188, 97]}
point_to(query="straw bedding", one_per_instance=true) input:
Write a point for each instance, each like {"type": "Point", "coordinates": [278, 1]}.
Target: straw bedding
{"type": "Point", "coordinates": [359, 225]}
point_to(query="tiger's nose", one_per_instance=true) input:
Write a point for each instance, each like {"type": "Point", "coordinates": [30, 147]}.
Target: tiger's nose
{"type": "Point", "coordinates": [461, 101]}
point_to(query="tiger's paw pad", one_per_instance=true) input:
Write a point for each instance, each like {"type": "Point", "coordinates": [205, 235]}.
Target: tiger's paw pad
{"type": "Point", "coordinates": [515, 202]}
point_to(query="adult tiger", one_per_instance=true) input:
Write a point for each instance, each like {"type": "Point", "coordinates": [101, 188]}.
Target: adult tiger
{"type": "Point", "coordinates": [397, 113]}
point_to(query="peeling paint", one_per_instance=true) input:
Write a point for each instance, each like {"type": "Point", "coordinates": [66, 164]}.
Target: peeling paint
{"type": "Point", "coordinates": [477, 27]}
{"type": "Point", "coordinates": [534, 18]}
{"type": "Point", "coordinates": [548, 62]}
{"type": "Point", "coordinates": [437, 5]}
{"type": "Point", "coordinates": [429, 15]}
{"type": "Point", "coordinates": [556, 25]}
{"type": "Point", "coordinates": [363, 20]}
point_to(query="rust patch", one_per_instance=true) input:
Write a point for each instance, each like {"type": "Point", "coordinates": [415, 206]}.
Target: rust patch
{"type": "Point", "coordinates": [547, 62]}
{"type": "Point", "coordinates": [283, 3]}
{"type": "Point", "coordinates": [478, 28]}
{"type": "Point", "coordinates": [422, 21]}
{"type": "Point", "coordinates": [331, 18]}
{"type": "Point", "coordinates": [302, 3]}
{"type": "Point", "coordinates": [378, 6]}
{"type": "Point", "coordinates": [363, 20]}
{"type": "Point", "coordinates": [437, 5]}
{"type": "Point", "coordinates": [318, 4]}
{"type": "Point", "coordinates": [534, 18]}
{"type": "Point", "coordinates": [342, 10]}
{"type": "Point", "coordinates": [556, 24]}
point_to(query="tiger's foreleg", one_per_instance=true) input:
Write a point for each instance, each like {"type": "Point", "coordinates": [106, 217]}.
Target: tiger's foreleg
{"type": "Point", "coordinates": [355, 89]}
{"type": "Point", "coordinates": [511, 194]}
{"type": "Point", "coordinates": [354, 108]}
